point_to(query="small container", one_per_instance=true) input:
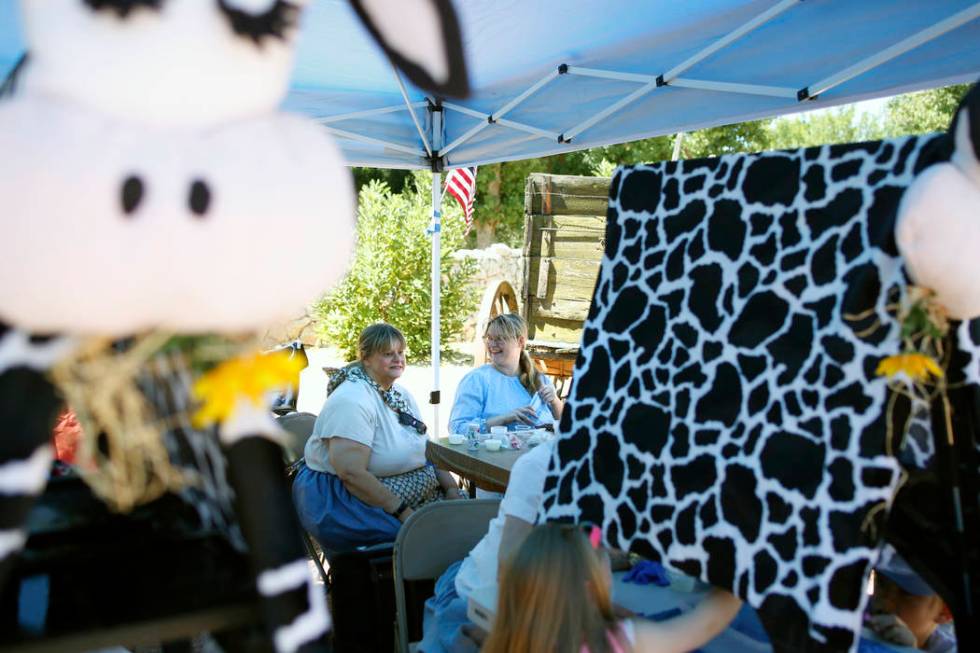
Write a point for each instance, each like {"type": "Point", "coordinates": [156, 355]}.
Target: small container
{"type": "Point", "coordinates": [473, 435]}
{"type": "Point", "coordinates": [491, 444]}
{"type": "Point", "coordinates": [457, 438]}
{"type": "Point", "coordinates": [498, 431]}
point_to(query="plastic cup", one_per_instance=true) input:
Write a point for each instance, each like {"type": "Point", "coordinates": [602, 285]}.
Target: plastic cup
{"type": "Point", "coordinates": [456, 438]}
{"type": "Point", "coordinates": [497, 431]}
{"type": "Point", "coordinates": [491, 444]}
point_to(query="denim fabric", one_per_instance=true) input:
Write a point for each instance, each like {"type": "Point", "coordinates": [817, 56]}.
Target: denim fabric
{"type": "Point", "coordinates": [444, 618]}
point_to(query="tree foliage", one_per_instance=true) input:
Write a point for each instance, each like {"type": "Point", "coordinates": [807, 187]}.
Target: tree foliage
{"type": "Point", "coordinates": [389, 277]}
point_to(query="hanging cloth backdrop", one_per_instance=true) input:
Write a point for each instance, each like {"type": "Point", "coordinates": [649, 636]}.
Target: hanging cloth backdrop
{"type": "Point", "coordinates": [726, 417]}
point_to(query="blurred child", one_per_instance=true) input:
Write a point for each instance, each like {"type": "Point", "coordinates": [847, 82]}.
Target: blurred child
{"type": "Point", "coordinates": [555, 595]}
{"type": "Point", "coordinates": [905, 610]}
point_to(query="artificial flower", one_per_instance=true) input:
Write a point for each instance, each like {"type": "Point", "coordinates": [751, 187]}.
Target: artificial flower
{"type": "Point", "coordinates": [250, 377]}
{"type": "Point", "coordinates": [916, 366]}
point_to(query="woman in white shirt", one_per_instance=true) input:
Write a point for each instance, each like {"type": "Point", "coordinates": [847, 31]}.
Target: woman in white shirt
{"type": "Point", "coordinates": [366, 470]}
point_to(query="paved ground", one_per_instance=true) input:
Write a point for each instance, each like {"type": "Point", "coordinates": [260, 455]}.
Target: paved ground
{"type": "Point", "coordinates": [417, 378]}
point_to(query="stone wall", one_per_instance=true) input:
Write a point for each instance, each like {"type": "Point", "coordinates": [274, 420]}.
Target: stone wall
{"type": "Point", "coordinates": [493, 263]}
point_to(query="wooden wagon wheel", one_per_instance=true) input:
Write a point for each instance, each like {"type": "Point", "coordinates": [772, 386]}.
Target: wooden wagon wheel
{"type": "Point", "coordinates": [498, 298]}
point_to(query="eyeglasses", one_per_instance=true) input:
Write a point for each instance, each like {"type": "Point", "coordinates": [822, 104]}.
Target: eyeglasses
{"type": "Point", "coordinates": [406, 419]}
{"type": "Point", "coordinates": [493, 340]}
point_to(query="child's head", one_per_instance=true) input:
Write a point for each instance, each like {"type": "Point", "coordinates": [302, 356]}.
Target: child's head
{"type": "Point", "coordinates": [903, 593]}
{"type": "Point", "coordinates": [554, 595]}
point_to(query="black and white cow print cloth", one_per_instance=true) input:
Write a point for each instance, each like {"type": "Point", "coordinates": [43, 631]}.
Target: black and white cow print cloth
{"type": "Point", "coordinates": [725, 416]}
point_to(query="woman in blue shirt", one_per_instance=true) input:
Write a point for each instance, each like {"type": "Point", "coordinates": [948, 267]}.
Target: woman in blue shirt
{"type": "Point", "coordinates": [508, 390]}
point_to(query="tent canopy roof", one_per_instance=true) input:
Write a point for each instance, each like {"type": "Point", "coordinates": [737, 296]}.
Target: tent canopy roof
{"type": "Point", "coordinates": [723, 61]}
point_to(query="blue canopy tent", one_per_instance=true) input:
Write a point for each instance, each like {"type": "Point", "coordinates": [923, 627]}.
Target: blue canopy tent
{"type": "Point", "coordinates": [550, 77]}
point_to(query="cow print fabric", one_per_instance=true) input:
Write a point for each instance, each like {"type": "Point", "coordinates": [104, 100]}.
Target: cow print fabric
{"type": "Point", "coordinates": [725, 416]}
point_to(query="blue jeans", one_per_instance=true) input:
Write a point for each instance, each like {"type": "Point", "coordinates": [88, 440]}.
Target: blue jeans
{"type": "Point", "coordinates": [444, 618]}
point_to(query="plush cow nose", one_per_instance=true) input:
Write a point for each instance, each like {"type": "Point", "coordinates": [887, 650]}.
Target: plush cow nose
{"type": "Point", "coordinates": [131, 194]}
{"type": "Point", "coordinates": [200, 198]}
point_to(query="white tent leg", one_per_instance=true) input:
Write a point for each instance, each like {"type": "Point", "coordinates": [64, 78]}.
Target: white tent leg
{"type": "Point", "coordinates": [436, 256]}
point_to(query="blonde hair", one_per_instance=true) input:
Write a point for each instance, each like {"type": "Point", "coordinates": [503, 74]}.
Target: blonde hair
{"type": "Point", "coordinates": [512, 326]}
{"type": "Point", "coordinates": [554, 596]}
{"type": "Point", "coordinates": [377, 337]}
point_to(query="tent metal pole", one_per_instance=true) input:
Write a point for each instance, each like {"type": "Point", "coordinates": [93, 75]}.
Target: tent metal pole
{"type": "Point", "coordinates": [613, 108]}
{"type": "Point", "coordinates": [411, 111]}
{"type": "Point", "coordinates": [434, 398]}
{"type": "Point", "coordinates": [504, 122]}
{"type": "Point", "coordinates": [326, 120]}
{"type": "Point", "coordinates": [374, 141]}
{"type": "Point", "coordinates": [903, 46]}
{"type": "Point", "coordinates": [729, 87]}
{"type": "Point", "coordinates": [678, 140]}
{"type": "Point", "coordinates": [500, 112]}
{"type": "Point", "coordinates": [729, 38]}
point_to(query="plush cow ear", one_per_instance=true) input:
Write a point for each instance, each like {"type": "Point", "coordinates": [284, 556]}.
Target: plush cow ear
{"type": "Point", "coordinates": [423, 39]}
{"type": "Point", "coordinates": [965, 130]}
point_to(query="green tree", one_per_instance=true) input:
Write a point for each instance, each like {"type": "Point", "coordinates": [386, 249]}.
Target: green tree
{"type": "Point", "coordinates": [922, 112]}
{"type": "Point", "coordinates": [389, 276]}
{"type": "Point", "coordinates": [838, 125]}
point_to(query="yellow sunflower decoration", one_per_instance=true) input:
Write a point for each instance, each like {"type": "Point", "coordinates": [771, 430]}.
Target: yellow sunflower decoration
{"type": "Point", "coordinates": [250, 377]}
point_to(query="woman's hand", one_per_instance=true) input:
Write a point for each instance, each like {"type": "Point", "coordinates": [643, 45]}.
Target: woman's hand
{"type": "Point", "coordinates": [406, 513]}
{"type": "Point", "coordinates": [547, 393]}
{"type": "Point", "coordinates": [523, 415]}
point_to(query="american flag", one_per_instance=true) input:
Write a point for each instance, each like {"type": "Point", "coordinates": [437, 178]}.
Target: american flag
{"type": "Point", "coordinates": [461, 184]}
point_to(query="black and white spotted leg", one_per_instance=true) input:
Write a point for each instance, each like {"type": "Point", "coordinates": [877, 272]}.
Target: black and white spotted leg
{"type": "Point", "coordinates": [295, 606]}
{"type": "Point", "coordinates": [28, 407]}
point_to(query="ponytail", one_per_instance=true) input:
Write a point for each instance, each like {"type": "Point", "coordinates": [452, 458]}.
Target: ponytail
{"type": "Point", "coordinates": [528, 374]}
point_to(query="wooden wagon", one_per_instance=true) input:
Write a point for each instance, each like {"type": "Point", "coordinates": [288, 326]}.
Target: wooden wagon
{"type": "Point", "coordinates": [564, 232]}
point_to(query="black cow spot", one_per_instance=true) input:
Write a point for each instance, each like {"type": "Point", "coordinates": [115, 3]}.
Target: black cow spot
{"type": "Point", "coordinates": [694, 477]}
{"type": "Point", "coordinates": [648, 381]}
{"type": "Point", "coordinates": [790, 579]}
{"type": "Point", "coordinates": [591, 509]}
{"type": "Point", "coordinates": [876, 477]}
{"type": "Point", "coordinates": [4, 329]}
{"type": "Point", "coordinates": [695, 249]}
{"type": "Point", "coordinates": [684, 221]}
{"type": "Point", "coordinates": [743, 584]}
{"type": "Point", "coordinates": [844, 528]}
{"type": "Point", "coordinates": [689, 567]}
{"type": "Point", "coordinates": [847, 584]}
{"type": "Point", "coordinates": [813, 594]}
{"type": "Point", "coordinates": [613, 232]}
{"type": "Point", "coordinates": [595, 384]}
{"type": "Point", "coordinates": [687, 334]}
{"type": "Point", "coordinates": [639, 496]}
{"type": "Point", "coordinates": [682, 401]}
{"type": "Point", "coordinates": [769, 278]}
{"type": "Point", "coordinates": [758, 398]}
{"type": "Point", "coordinates": [789, 231]}
{"type": "Point", "coordinates": [795, 461]}
{"type": "Point", "coordinates": [842, 171]}
{"type": "Point", "coordinates": [754, 435]}
{"type": "Point", "coordinates": [658, 486]}
{"type": "Point", "coordinates": [618, 348]}
{"type": "Point", "coordinates": [703, 298]}
{"type": "Point", "coordinates": [675, 262]}
{"type": "Point", "coordinates": [739, 503]}
{"type": "Point", "coordinates": [761, 317]}
{"type": "Point", "coordinates": [903, 155]}
{"type": "Point", "coordinates": [640, 191]}
{"type": "Point", "coordinates": [792, 348]}
{"type": "Point", "coordinates": [852, 246]}
{"type": "Point", "coordinates": [705, 437]}
{"type": "Point", "coordinates": [727, 300]}
{"type": "Point", "coordinates": [775, 413]}
{"type": "Point", "coordinates": [811, 398]}
{"type": "Point", "coordinates": [647, 427]}
{"type": "Point", "coordinates": [760, 223]}
{"type": "Point", "coordinates": [665, 538]}
{"type": "Point", "coordinates": [680, 444]}
{"type": "Point", "coordinates": [881, 218]}
{"type": "Point", "coordinates": [811, 526]}
{"type": "Point", "coordinates": [627, 521]}
{"type": "Point", "coordinates": [838, 349]}
{"type": "Point", "coordinates": [565, 488]}
{"type": "Point", "coordinates": [842, 480]}
{"type": "Point", "coordinates": [792, 260]}
{"type": "Point", "coordinates": [724, 400]}
{"type": "Point", "coordinates": [623, 376]}
{"type": "Point", "coordinates": [877, 176]}
{"type": "Point", "coordinates": [693, 184]}
{"type": "Point", "coordinates": [620, 273]}
{"type": "Point", "coordinates": [823, 264]}
{"type": "Point", "coordinates": [123, 7]}
{"type": "Point", "coordinates": [721, 561]}
{"type": "Point", "coordinates": [733, 179]}
{"type": "Point", "coordinates": [814, 565]}
{"type": "Point", "coordinates": [199, 198]}
{"type": "Point", "coordinates": [629, 306]}
{"type": "Point", "coordinates": [681, 357]}
{"type": "Point", "coordinates": [635, 467]}
{"type": "Point", "coordinates": [792, 404]}
{"type": "Point", "coordinates": [710, 350]}
{"type": "Point", "coordinates": [685, 524]}
{"type": "Point", "coordinates": [615, 184]}
{"type": "Point", "coordinates": [823, 310]}
{"type": "Point", "coordinates": [748, 277]}
{"type": "Point", "coordinates": [751, 366]}
{"type": "Point", "coordinates": [614, 414]}
{"type": "Point", "coordinates": [765, 252]}
{"type": "Point", "coordinates": [759, 187]}
{"type": "Point", "coordinates": [850, 396]}
{"type": "Point", "coordinates": [131, 194]}
{"type": "Point", "coordinates": [796, 285]}
{"type": "Point", "coordinates": [813, 426]}
{"type": "Point", "coordinates": [583, 478]}
{"type": "Point", "coordinates": [885, 154]}
{"type": "Point", "coordinates": [779, 510]}
{"type": "Point", "coordinates": [816, 187]}
{"type": "Point", "coordinates": [651, 238]}
{"type": "Point", "coordinates": [632, 256]}
{"type": "Point", "coordinates": [764, 569]}
{"type": "Point", "coordinates": [840, 433]}
{"type": "Point", "coordinates": [696, 165]}
{"type": "Point", "coordinates": [576, 446]}
{"type": "Point", "coordinates": [663, 375]}
{"type": "Point", "coordinates": [715, 190]}
{"type": "Point", "coordinates": [671, 194]}
{"type": "Point", "coordinates": [709, 513]}
{"type": "Point", "coordinates": [839, 211]}
{"type": "Point", "coordinates": [812, 375]}
{"type": "Point", "coordinates": [674, 301]}
{"type": "Point", "coordinates": [726, 230]}
{"type": "Point", "coordinates": [631, 227]}
{"type": "Point", "coordinates": [784, 543]}
{"type": "Point", "coordinates": [777, 612]}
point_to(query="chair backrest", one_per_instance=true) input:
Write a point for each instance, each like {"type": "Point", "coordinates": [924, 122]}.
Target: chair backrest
{"type": "Point", "coordinates": [299, 427]}
{"type": "Point", "coordinates": [433, 538]}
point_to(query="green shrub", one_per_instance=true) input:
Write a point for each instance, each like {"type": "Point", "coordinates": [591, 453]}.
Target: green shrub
{"type": "Point", "coordinates": [389, 276]}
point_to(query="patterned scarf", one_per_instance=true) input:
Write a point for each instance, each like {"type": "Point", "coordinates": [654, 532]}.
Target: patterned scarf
{"type": "Point", "coordinates": [392, 398]}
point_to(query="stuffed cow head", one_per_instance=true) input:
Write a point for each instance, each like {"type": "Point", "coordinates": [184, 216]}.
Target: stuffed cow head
{"type": "Point", "coordinates": [147, 180]}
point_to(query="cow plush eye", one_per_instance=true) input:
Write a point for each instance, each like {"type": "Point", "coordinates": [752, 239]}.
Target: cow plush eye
{"type": "Point", "coordinates": [131, 194]}
{"type": "Point", "coordinates": [257, 25]}
{"type": "Point", "coordinates": [123, 7]}
{"type": "Point", "coordinates": [200, 198]}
